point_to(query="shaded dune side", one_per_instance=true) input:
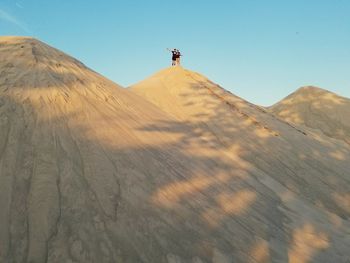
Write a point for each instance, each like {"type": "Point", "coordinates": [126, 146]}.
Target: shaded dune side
{"type": "Point", "coordinates": [48, 100]}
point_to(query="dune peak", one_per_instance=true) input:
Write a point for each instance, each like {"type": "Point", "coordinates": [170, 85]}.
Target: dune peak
{"type": "Point", "coordinates": [318, 109]}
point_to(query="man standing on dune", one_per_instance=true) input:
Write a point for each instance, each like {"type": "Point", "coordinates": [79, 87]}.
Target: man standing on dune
{"type": "Point", "coordinates": [178, 55]}
{"type": "Point", "coordinates": [173, 57]}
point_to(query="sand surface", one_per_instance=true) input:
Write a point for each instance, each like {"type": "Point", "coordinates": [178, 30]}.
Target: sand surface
{"type": "Point", "coordinates": [174, 170]}
{"type": "Point", "coordinates": [318, 109]}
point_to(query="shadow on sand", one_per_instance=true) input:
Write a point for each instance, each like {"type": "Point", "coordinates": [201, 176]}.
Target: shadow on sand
{"type": "Point", "coordinates": [107, 182]}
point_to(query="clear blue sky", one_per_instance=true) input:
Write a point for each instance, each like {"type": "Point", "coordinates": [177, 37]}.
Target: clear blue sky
{"type": "Point", "coordinates": [261, 50]}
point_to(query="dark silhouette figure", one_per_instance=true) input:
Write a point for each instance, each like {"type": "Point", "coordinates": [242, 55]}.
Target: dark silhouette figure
{"type": "Point", "coordinates": [178, 55]}
{"type": "Point", "coordinates": [175, 58]}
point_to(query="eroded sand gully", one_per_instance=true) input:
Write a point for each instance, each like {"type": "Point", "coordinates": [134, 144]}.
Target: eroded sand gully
{"type": "Point", "coordinates": [91, 172]}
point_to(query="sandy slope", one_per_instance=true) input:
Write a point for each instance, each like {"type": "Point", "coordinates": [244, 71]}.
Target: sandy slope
{"type": "Point", "coordinates": [302, 173]}
{"type": "Point", "coordinates": [318, 109]}
{"type": "Point", "coordinates": [91, 172]}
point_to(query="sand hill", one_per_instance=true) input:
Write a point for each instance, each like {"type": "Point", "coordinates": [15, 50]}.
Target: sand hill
{"type": "Point", "coordinates": [92, 172]}
{"type": "Point", "coordinates": [289, 162]}
{"type": "Point", "coordinates": [317, 109]}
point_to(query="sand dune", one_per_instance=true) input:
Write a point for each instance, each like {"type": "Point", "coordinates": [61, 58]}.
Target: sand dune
{"type": "Point", "coordinates": [292, 164]}
{"type": "Point", "coordinates": [92, 172]}
{"type": "Point", "coordinates": [317, 109]}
